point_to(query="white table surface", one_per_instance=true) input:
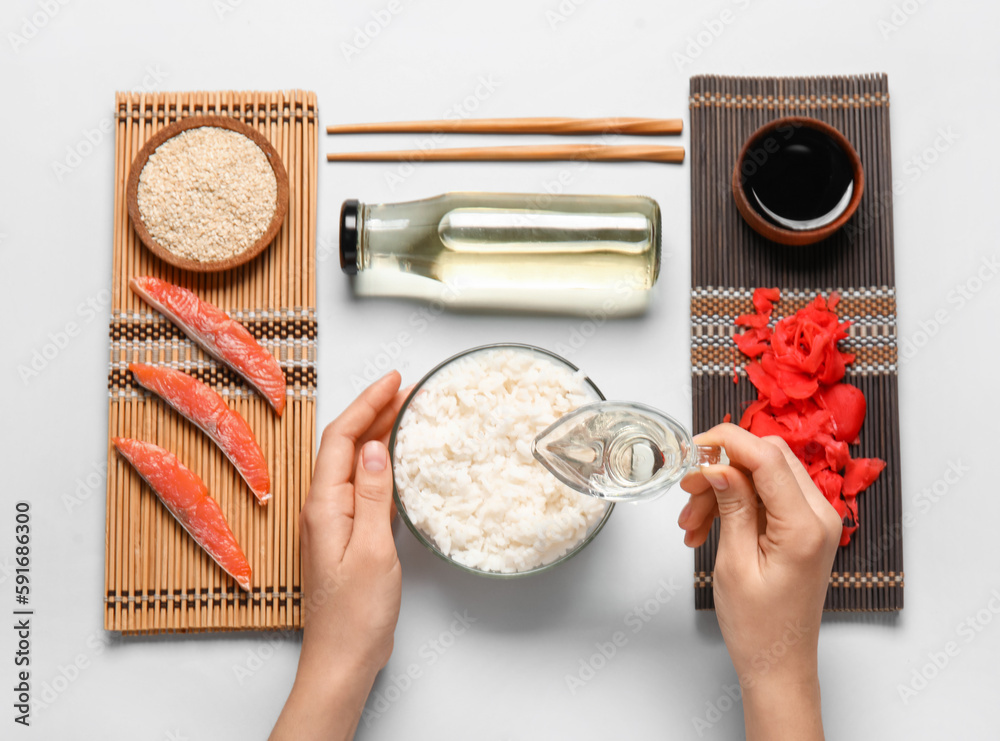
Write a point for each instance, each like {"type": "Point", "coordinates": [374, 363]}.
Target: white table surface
{"type": "Point", "coordinates": [505, 676]}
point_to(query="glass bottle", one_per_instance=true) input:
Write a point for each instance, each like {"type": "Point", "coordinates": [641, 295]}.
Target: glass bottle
{"type": "Point", "coordinates": [566, 254]}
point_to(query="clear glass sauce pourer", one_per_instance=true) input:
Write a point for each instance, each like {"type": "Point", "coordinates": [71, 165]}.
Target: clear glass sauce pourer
{"type": "Point", "coordinates": [620, 451]}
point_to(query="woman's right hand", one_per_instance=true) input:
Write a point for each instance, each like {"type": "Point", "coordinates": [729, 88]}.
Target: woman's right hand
{"type": "Point", "coordinates": [778, 537]}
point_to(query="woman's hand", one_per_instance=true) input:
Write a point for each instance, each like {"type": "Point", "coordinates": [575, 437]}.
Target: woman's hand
{"type": "Point", "coordinates": [350, 573]}
{"type": "Point", "coordinates": [778, 537]}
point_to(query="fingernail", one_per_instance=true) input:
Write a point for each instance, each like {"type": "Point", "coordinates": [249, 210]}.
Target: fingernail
{"type": "Point", "coordinates": [716, 480]}
{"type": "Point", "coordinates": [374, 456]}
{"type": "Point", "coordinates": [685, 513]}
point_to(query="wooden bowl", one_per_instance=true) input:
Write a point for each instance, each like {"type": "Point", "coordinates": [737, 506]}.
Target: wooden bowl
{"type": "Point", "coordinates": [194, 122]}
{"type": "Point", "coordinates": [780, 234]}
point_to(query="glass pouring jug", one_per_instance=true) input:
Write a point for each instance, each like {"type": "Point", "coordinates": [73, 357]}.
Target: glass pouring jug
{"type": "Point", "coordinates": [620, 451]}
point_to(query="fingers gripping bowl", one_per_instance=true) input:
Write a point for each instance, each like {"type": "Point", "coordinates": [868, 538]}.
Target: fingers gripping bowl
{"type": "Point", "coordinates": [465, 481]}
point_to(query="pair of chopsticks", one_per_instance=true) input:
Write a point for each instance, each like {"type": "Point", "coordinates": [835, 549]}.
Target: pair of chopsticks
{"type": "Point", "coordinates": [561, 126]}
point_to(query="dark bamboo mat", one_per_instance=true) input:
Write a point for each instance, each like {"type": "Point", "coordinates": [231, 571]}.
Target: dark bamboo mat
{"type": "Point", "coordinates": [729, 260]}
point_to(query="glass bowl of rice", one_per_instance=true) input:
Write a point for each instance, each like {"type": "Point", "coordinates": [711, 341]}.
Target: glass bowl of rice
{"type": "Point", "coordinates": [465, 481]}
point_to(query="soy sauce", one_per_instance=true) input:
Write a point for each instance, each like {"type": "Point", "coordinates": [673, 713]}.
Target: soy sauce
{"type": "Point", "coordinates": [798, 177]}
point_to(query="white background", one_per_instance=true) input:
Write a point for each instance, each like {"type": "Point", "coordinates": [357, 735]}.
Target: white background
{"type": "Point", "coordinates": [505, 677]}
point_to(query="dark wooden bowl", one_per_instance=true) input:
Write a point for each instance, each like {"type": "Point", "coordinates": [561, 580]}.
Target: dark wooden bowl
{"type": "Point", "coordinates": [791, 236]}
{"type": "Point", "coordinates": [194, 122]}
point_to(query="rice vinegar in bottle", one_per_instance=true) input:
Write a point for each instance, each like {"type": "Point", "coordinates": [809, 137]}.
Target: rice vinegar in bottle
{"type": "Point", "coordinates": [564, 254]}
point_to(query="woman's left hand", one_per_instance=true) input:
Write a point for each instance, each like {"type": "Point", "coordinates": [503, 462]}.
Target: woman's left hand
{"type": "Point", "coordinates": [351, 575]}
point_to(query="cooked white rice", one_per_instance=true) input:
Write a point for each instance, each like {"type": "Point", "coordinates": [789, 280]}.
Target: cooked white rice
{"type": "Point", "coordinates": [464, 468]}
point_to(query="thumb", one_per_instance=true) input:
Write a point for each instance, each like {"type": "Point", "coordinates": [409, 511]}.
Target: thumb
{"type": "Point", "coordinates": [373, 494]}
{"type": "Point", "coordinates": [737, 510]}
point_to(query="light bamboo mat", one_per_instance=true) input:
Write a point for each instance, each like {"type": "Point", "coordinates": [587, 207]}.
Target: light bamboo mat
{"type": "Point", "coordinates": [729, 260]}
{"type": "Point", "coordinates": [157, 579]}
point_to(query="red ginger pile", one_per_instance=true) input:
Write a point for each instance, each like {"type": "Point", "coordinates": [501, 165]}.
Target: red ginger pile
{"type": "Point", "coordinates": [797, 371]}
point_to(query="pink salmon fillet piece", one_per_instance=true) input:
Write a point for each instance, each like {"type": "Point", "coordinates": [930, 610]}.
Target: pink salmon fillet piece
{"type": "Point", "coordinates": [209, 411]}
{"type": "Point", "coordinates": [220, 335]}
{"type": "Point", "coordinates": [186, 496]}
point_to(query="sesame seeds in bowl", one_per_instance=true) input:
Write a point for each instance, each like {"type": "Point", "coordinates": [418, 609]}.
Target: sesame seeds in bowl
{"type": "Point", "coordinates": [207, 193]}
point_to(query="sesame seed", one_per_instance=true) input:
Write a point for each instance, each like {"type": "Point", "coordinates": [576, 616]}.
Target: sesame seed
{"type": "Point", "coordinates": [207, 194]}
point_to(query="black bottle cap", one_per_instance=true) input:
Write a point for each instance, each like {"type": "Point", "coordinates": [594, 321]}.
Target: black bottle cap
{"type": "Point", "coordinates": [349, 236]}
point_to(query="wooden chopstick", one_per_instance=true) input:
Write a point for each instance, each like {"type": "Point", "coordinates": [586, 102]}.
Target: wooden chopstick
{"type": "Point", "coordinates": [635, 126]}
{"type": "Point", "coordinates": [593, 152]}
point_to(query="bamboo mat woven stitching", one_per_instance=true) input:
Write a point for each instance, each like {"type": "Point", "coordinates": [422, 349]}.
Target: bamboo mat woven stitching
{"type": "Point", "coordinates": [157, 579]}
{"type": "Point", "coordinates": [729, 260]}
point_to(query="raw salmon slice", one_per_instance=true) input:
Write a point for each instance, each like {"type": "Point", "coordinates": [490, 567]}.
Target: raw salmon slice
{"type": "Point", "coordinates": [209, 411]}
{"type": "Point", "coordinates": [222, 336]}
{"type": "Point", "coordinates": [186, 496]}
